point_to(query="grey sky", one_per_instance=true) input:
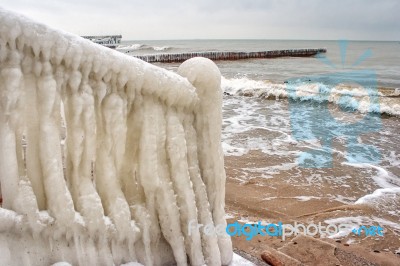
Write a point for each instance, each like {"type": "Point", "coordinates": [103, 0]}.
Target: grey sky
{"type": "Point", "coordinates": [219, 19]}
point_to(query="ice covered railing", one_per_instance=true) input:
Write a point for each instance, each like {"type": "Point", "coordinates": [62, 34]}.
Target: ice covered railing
{"type": "Point", "coordinates": [105, 159]}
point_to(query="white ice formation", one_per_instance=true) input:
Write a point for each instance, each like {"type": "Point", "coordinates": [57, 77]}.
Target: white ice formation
{"type": "Point", "coordinates": [104, 159]}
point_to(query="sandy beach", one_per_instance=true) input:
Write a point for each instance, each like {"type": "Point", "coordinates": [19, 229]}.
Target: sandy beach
{"type": "Point", "coordinates": [279, 199]}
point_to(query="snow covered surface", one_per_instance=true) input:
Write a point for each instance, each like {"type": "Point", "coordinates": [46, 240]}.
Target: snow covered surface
{"type": "Point", "coordinates": [240, 261]}
{"type": "Point", "coordinates": [104, 159]}
{"type": "Point", "coordinates": [236, 261]}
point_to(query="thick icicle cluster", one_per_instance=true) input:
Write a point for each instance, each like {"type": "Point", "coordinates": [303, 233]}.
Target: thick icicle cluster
{"type": "Point", "coordinates": [105, 159]}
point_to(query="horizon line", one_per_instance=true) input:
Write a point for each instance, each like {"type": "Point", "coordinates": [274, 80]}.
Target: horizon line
{"type": "Point", "coordinates": [258, 39]}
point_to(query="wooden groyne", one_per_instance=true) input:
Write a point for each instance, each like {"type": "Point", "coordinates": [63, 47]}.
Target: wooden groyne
{"type": "Point", "coordinates": [171, 58]}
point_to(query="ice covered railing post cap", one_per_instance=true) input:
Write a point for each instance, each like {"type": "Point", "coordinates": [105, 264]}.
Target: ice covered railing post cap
{"type": "Point", "coordinates": [202, 73]}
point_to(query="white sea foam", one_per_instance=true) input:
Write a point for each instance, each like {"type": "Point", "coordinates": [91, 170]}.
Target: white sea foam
{"type": "Point", "coordinates": [382, 178]}
{"type": "Point", "coordinates": [249, 125]}
{"type": "Point", "coordinates": [160, 48]}
{"type": "Point", "coordinates": [353, 98]}
{"type": "Point", "coordinates": [379, 194]}
{"type": "Point", "coordinates": [357, 221]}
{"type": "Point", "coordinates": [138, 46]}
{"type": "Point", "coordinates": [392, 158]}
{"type": "Point", "coordinates": [298, 198]}
{"type": "Point", "coordinates": [131, 47]}
{"type": "Point", "coordinates": [229, 216]}
{"type": "Point", "coordinates": [384, 200]}
{"type": "Point", "coordinates": [248, 87]}
{"type": "Point", "coordinates": [306, 198]}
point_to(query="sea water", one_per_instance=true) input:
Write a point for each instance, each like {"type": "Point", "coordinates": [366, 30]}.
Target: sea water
{"type": "Point", "coordinates": [258, 116]}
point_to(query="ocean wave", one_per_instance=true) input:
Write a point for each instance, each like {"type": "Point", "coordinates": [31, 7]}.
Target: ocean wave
{"type": "Point", "coordinates": [364, 100]}
{"type": "Point", "coordinates": [385, 200]}
{"type": "Point", "coordinates": [137, 46]}
{"type": "Point", "coordinates": [161, 48]}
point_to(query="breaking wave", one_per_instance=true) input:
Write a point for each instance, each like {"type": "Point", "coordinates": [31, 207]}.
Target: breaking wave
{"type": "Point", "coordinates": [137, 46]}
{"type": "Point", "coordinates": [356, 98]}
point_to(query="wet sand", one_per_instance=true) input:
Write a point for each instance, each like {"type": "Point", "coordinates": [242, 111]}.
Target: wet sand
{"type": "Point", "coordinates": [283, 197]}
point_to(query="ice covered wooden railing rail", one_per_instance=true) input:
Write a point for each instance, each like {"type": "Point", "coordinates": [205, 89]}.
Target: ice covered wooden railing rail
{"type": "Point", "coordinates": [104, 158]}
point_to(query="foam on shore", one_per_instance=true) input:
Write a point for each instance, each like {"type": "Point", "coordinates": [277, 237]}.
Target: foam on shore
{"type": "Point", "coordinates": [352, 98]}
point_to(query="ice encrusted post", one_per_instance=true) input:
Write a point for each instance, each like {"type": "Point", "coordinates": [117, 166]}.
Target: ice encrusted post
{"type": "Point", "coordinates": [206, 78]}
{"type": "Point", "coordinates": [106, 159]}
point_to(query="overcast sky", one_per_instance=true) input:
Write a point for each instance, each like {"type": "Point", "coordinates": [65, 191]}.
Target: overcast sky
{"type": "Point", "coordinates": [219, 19]}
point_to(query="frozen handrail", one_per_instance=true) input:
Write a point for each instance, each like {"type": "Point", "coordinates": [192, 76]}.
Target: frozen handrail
{"type": "Point", "coordinates": [104, 158]}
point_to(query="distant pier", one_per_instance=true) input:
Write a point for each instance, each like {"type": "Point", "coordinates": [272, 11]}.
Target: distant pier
{"type": "Point", "coordinates": [172, 58]}
{"type": "Point", "coordinates": [110, 41]}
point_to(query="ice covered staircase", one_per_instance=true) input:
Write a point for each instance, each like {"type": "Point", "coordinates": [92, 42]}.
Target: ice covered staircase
{"type": "Point", "coordinates": [104, 158]}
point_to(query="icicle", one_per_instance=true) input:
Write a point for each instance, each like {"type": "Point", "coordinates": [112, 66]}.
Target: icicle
{"type": "Point", "coordinates": [33, 168]}
{"type": "Point", "coordinates": [177, 153]}
{"type": "Point", "coordinates": [59, 199]}
{"type": "Point", "coordinates": [168, 211]}
{"type": "Point", "coordinates": [210, 242]}
{"type": "Point", "coordinates": [11, 79]}
{"type": "Point", "coordinates": [148, 176]}
{"type": "Point", "coordinates": [81, 146]}
{"type": "Point", "coordinates": [112, 133]}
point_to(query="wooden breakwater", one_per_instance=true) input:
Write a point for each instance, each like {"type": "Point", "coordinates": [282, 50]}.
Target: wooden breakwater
{"type": "Point", "coordinates": [180, 57]}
